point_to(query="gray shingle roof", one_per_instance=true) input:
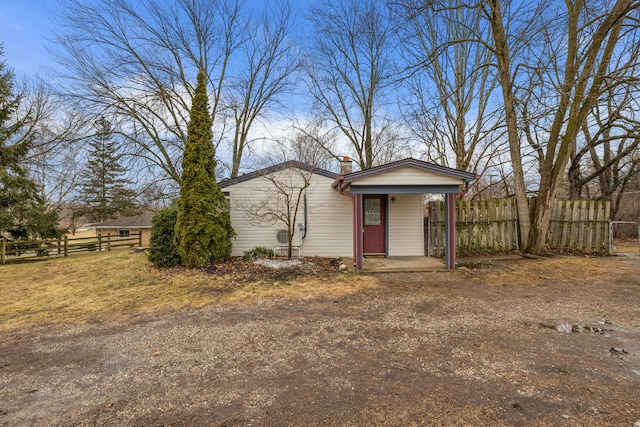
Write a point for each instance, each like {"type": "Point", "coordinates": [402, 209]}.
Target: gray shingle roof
{"type": "Point", "coordinates": [276, 168]}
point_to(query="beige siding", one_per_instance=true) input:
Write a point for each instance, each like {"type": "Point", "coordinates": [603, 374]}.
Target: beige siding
{"type": "Point", "coordinates": [329, 221]}
{"type": "Point", "coordinates": [146, 236]}
{"type": "Point", "coordinates": [405, 222]}
{"type": "Point", "coordinates": [408, 176]}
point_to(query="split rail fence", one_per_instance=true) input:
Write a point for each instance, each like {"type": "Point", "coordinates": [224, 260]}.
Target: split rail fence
{"type": "Point", "coordinates": [492, 226]}
{"type": "Point", "coordinates": [41, 249]}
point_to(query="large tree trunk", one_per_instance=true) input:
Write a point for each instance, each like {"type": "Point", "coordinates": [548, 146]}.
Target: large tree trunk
{"type": "Point", "coordinates": [575, 183]}
{"type": "Point", "coordinates": [504, 70]}
{"type": "Point", "coordinates": [542, 213]}
{"type": "Point", "coordinates": [575, 102]}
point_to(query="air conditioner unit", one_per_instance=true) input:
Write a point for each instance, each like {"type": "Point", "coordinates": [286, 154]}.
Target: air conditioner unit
{"type": "Point", "coordinates": [282, 238]}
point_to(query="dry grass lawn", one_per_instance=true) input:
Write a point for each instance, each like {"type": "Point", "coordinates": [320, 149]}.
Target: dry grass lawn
{"type": "Point", "coordinates": [119, 284]}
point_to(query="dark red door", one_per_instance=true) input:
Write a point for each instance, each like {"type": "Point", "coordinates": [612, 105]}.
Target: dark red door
{"type": "Point", "coordinates": [375, 230]}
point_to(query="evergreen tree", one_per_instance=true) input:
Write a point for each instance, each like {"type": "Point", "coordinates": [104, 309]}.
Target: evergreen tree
{"type": "Point", "coordinates": [104, 191]}
{"type": "Point", "coordinates": [23, 213]}
{"type": "Point", "coordinates": [203, 229]}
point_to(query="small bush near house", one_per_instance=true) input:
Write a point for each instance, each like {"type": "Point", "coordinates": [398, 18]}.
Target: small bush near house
{"type": "Point", "coordinates": [258, 252]}
{"type": "Point", "coordinates": [162, 247]}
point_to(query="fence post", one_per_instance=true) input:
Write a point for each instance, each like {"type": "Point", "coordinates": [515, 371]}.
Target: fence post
{"type": "Point", "coordinates": [429, 235]}
{"type": "Point", "coordinates": [66, 245]}
{"type": "Point", "coordinates": [140, 238]}
{"type": "Point", "coordinates": [109, 241]}
{"type": "Point", "coordinates": [611, 249]}
{"type": "Point", "coordinates": [59, 246]}
{"type": "Point", "coordinates": [3, 248]}
{"type": "Point", "coordinates": [99, 248]}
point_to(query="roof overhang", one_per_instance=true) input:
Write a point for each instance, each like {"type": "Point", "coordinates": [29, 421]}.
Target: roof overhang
{"type": "Point", "coordinates": [439, 179]}
{"type": "Point", "coordinates": [404, 189]}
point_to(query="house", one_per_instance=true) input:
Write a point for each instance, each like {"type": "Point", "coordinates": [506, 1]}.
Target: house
{"type": "Point", "coordinates": [374, 212]}
{"type": "Point", "coordinates": [127, 226]}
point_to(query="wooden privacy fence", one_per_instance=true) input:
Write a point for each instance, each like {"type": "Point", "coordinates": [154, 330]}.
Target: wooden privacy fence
{"type": "Point", "coordinates": [581, 225]}
{"type": "Point", "coordinates": [21, 250]}
{"type": "Point", "coordinates": [492, 226]}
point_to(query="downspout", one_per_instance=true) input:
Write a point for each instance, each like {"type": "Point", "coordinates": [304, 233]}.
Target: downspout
{"type": "Point", "coordinates": [305, 215]}
{"type": "Point", "coordinates": [466, 188]}
{"type": "Point", "coordinates": [340, 179]}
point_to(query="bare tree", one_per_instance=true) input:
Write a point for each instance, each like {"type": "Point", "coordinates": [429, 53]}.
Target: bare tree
{"type": "Point", "coordinates": [283, 198]}
{"type": "Point", "coordinates": [607, 151]}
{"type": "Point", "coordinates": [58, 132]}
{"type": "Point", "coordinates": [451, 83]}
{"type": "Point", "coordinates": [308, 146]}
{"type": "Point", "coordinates": [554, 60]}
{"type": "Point", "coordinates": [351, 71]}
{"type": "Point", "coordinates": [270, 59]}
{"type": "Point", "coordinates": [609, 157]}
{"type": "Point", "coordinates": [135, 63]}
{"type": "Point", "coordinates": [572, 59]}
{"type": "Point", "coordinates": [290, 165]}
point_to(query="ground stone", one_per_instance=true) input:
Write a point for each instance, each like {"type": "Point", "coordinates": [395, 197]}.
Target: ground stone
{"type": "Point", "coordinates": [278, 263]}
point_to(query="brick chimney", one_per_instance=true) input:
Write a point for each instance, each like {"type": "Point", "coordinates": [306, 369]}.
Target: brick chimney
{"type": "Point", "coordinates": [345, 166]}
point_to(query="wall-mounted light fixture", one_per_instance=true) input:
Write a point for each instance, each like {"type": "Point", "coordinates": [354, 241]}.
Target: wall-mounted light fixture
{"type": "Point", "coordinates": [393, 200]}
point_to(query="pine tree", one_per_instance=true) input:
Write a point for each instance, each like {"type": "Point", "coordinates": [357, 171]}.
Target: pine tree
{"type": "Point", "coordinates": [203, 229]}
{"type": "Point", "coordinates": [23, 213]}
{"type": "Point", "coordinates": [105, 193]}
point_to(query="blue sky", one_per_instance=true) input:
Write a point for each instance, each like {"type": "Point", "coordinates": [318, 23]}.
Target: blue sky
{"type": "Point", "coordinates": [25, 26]}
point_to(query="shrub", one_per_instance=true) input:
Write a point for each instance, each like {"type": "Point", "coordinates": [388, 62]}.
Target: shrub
{"type": "Point", "coordinates": [259, 252]}
{"type": "Point", "coordinates": [162, 248]}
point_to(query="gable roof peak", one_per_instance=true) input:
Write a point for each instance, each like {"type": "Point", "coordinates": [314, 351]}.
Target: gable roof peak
{"type": "Point", "coordinates": [411, 162]}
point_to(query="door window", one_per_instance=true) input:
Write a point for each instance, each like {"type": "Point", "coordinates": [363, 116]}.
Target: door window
{"type": "Point", "coordinates": [371, 211]}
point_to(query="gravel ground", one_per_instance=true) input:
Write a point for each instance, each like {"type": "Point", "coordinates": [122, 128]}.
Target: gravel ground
{"type": "Point", "coordinates": [515, 344]}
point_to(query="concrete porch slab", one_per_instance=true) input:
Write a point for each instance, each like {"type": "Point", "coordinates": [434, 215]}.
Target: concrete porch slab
{"type": "Point", "coordinates": [397, 264]}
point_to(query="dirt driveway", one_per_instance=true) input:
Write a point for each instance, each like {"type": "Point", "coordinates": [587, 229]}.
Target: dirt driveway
{"type": "Point", "coordinates": [533, 342]}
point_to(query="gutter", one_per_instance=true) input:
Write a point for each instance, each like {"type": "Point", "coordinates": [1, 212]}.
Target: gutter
{"type": "Point", "coordinates": [466, 188]}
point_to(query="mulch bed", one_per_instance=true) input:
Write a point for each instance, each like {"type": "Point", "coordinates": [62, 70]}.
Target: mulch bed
{"type": "Point", "coordinates": [242, 271]}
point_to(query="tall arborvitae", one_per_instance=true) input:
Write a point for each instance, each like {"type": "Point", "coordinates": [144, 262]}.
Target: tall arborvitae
{"type": "Point", "coordinates": [203, 229]}
{"type": "Point", "coordinates": [105, 191]}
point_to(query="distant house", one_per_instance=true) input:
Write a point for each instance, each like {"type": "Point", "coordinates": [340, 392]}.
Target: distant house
{"type": "Point", "coordinates": [374, 212]}
{"type": "Point", "coordinates": [127, 226]}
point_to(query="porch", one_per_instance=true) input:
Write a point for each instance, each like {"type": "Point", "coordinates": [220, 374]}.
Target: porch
{"type": "Point", "coordinates": [396, 264]}
{"type": "Point", "coordinates": [388, 213]}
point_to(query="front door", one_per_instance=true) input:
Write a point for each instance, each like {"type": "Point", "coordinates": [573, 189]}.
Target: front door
{"type": "Point", "coordinates": [375, 230]}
